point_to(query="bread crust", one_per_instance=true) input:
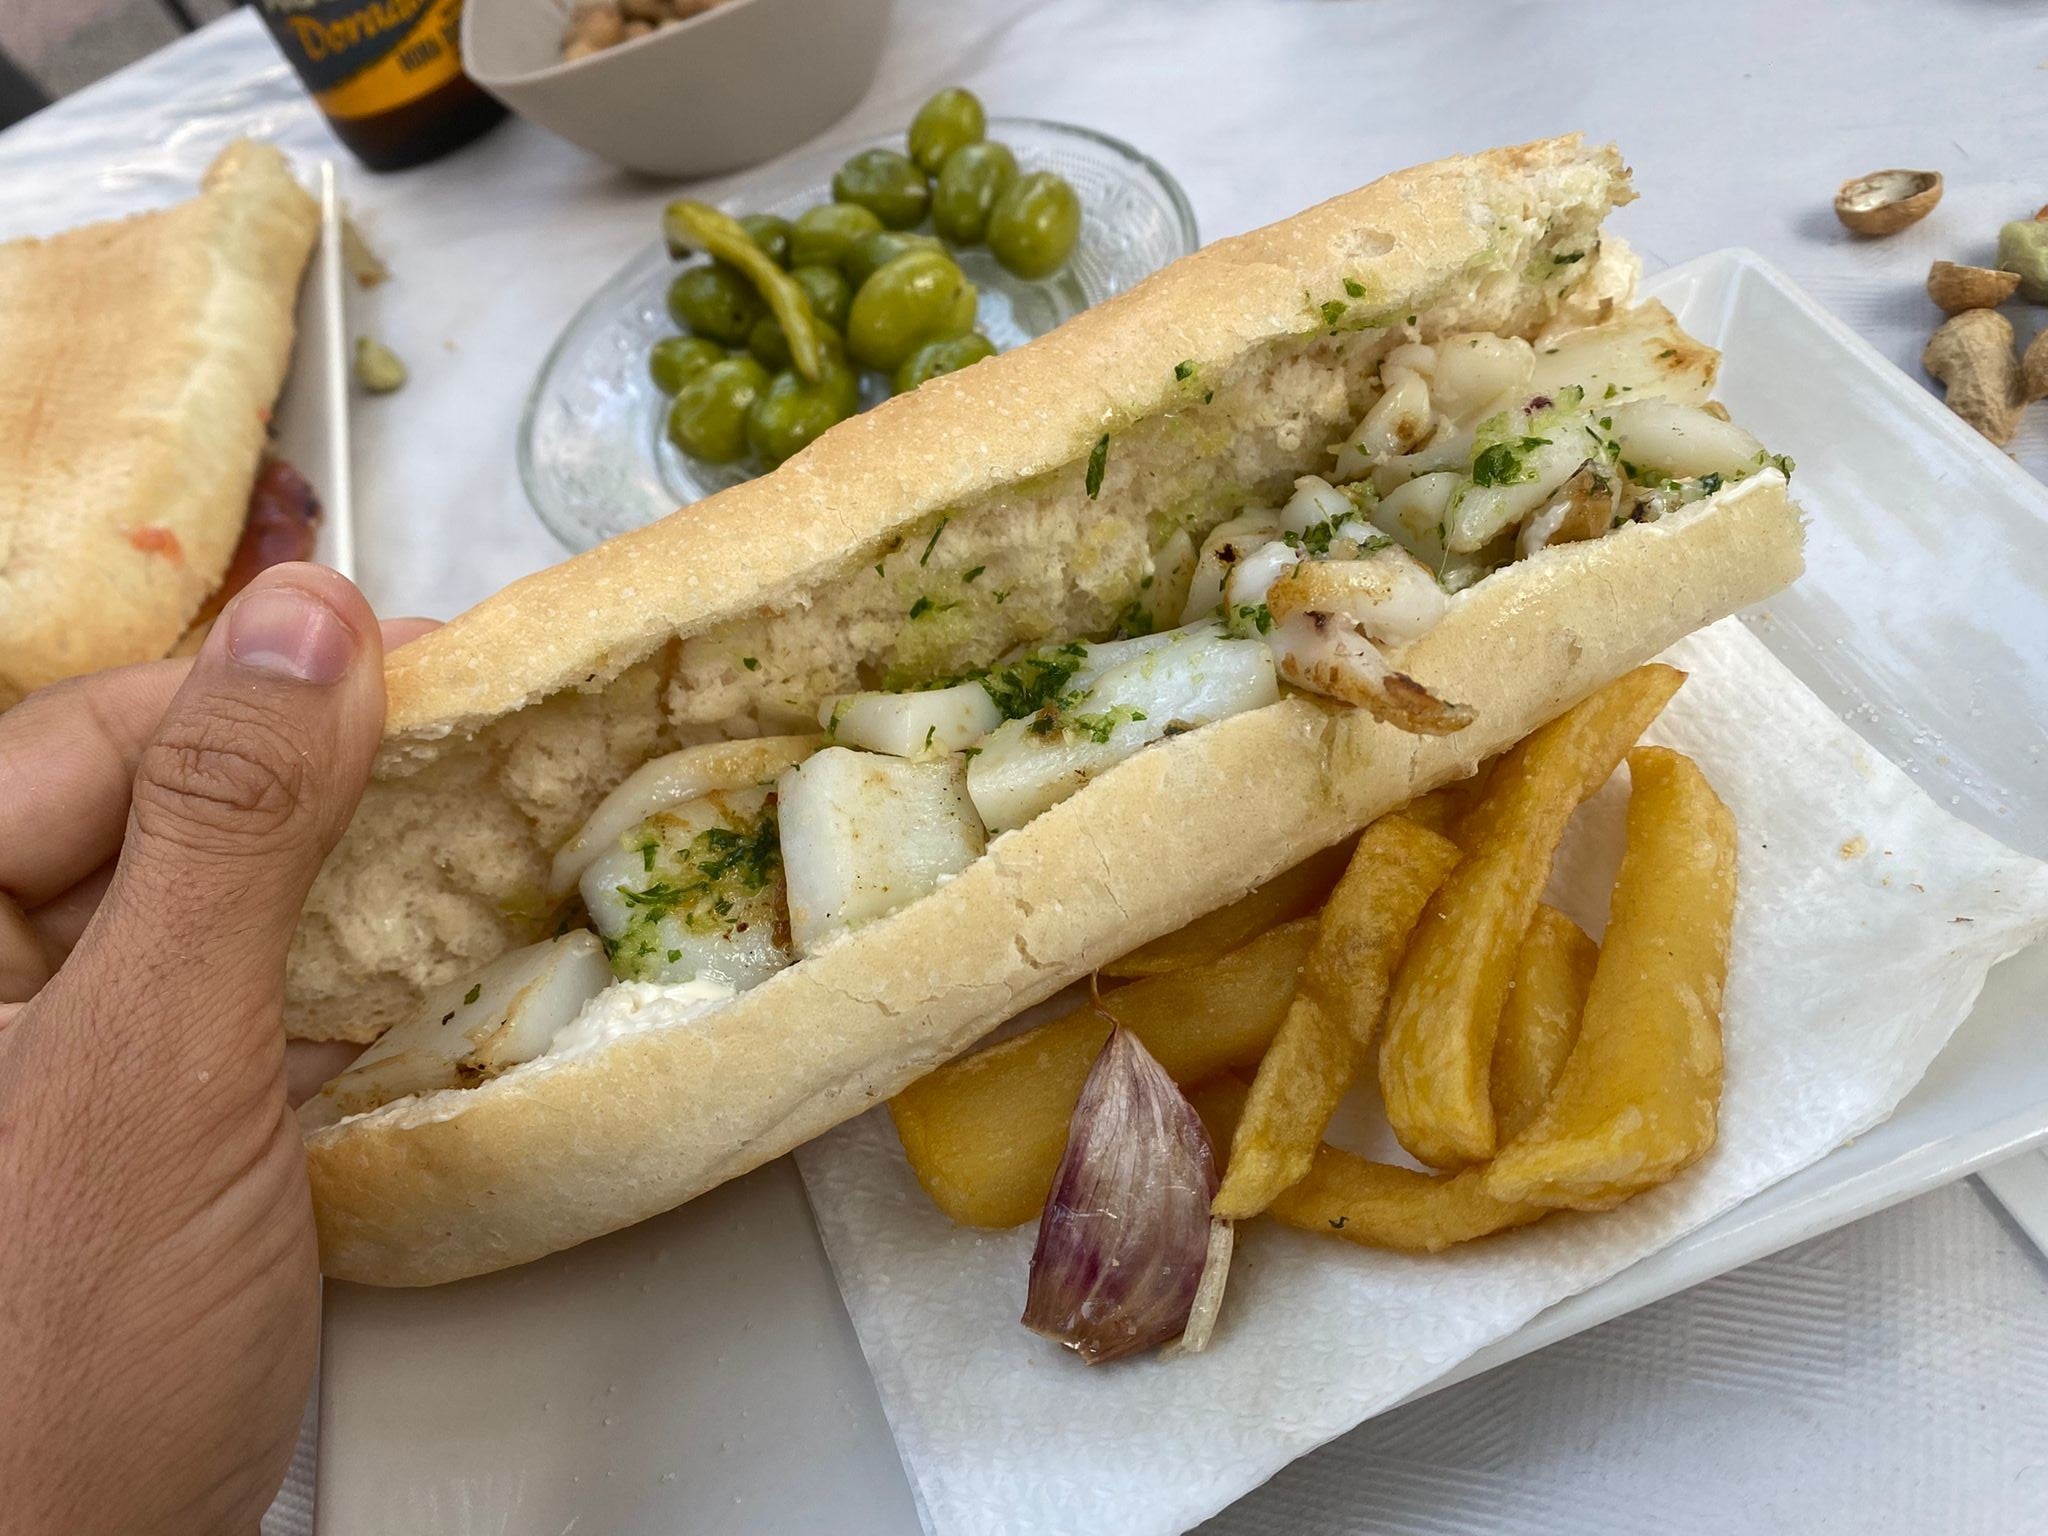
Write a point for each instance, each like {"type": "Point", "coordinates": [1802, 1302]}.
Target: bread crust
{"type": "Point", "coordinates": [444, 864]}
{"type": "Point", "coordinates": [139, 360]}
{"type": "Point", "coordinates": [542, 1159]}
{"type": "Point", "coordinates": [1023, 414]}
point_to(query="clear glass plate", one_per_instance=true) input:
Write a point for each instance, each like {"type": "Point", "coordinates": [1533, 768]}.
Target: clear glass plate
{"type": "Point", "coordinates": [592, 455]}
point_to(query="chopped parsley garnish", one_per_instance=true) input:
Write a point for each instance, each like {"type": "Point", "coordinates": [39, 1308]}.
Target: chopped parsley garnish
{"type": "Point", "coordinates": [929, 732]}
{"type": "Point", "coordinates": [1032, 682]}
{"type": "Point", "coordinates": [674, 955]}
{"type": "Point", "coordinates": [751, 663]}
{"type": "Point", "coordinates": [703, 884]}
{"type": "Point", "coordinates": [1098, 460]}
{"type": "Point", "coordinates": [1251, 616]}
{"type": "Point", "coordinates": [472, 994]}
{"type": "Point", "coordinates": [1612, 391]}
{"type": "Point", "coordinates": [1504, 463]}
{"type": "Point", "coordinates": [1132, 621]}
{"type": "Point", "coordinates": [925, 605]}
{"type": "Point", "coordinates": [1354, 287]}
{"type": "Point", "coordinates": [1002, 596]}
{"type": "Point", "coordinates": [1566, 258]}
{"type": "Point", "coordinates": [1099, 728]}
{"type": "Point", "coordinates": [1709, 483]}
{"type": "Point", "coordinates": [931, 543]}
{"type": "Point", "coordinates": [1182, 372]}
{"type": "Point", "coordinates": [973, 573]}
{"type": "Point", "coordinates": [1333, 311]}
{"type": "Point", "coordinates": [659, 893]}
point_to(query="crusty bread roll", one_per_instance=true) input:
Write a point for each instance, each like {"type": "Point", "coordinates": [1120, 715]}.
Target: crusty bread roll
{"type": "Point", "coordinates": [139, 360]}
{"type": "Point", "coordinates": [1217, 382]}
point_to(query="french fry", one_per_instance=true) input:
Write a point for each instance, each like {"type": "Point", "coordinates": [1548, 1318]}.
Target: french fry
{"type": "Point", "coordinates": [1378, 1205]}
{"type": "Point", "coordinates": [1445, 1011]}
{"type": "Point", "coordinates": [1290, 894]}
{"type": "Point", "coordinates": [1336, 1011]}
{"type": "Point", "coordinates": [1640, 1098]}
{"type": "Point", "coordinates": [984, 1134]}
{"type": "Point", "coordinates": [1539, 1024]}
{"type": "Point", "coordinates": [1443, 810]}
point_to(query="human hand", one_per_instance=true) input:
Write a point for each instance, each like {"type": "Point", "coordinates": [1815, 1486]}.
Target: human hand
{"type": "Point", "coordinates": [159, 828]}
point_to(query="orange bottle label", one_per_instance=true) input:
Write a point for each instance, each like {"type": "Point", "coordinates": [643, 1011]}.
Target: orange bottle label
{"type": "Point", "coordinates": [364, 57]}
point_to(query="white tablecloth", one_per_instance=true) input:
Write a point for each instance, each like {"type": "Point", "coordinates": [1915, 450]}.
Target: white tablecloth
{"type": "Point", "coordinates": [1894, 1377]}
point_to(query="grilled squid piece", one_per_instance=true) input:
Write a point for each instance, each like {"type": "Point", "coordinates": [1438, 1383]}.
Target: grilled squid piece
{"type": "Point", "coordinates": [1328, 654]}
{"type": "Point", "coordinates": [1399, 420]}
{"type": "Point", "coordinates": [1227, 544]}
{"type": "Point", "coordinates": [1587, 505]}
{"type": "Point", "coordinates": [472, 1029]}
{"type": "Point", "coordinates": [1389, 595]}
{"type": "Point", "coordinates": [667, 781]}
{"type": "Point", "coordinates": [695, 893]}
{"type": "Point", "coordinates": [1331, 616]}
{"type": "Point", "coordinates": [864, 834]}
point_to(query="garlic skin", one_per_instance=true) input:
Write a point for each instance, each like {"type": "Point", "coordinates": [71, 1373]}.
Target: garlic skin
{"type": "Point", "coordinates": [1125, 1235]}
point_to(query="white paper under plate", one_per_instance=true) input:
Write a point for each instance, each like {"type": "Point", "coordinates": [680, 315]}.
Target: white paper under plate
{"type": "Point", "coordinates": [1866, 922]}
{"type": "Point", "coordinates": [698, 1372]}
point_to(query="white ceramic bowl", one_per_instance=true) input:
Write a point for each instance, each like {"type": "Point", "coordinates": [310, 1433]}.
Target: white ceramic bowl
{"type": "Point", "coordinates": [730, 88]}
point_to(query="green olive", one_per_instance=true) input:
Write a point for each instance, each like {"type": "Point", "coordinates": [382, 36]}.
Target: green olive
{"type": "Point", "coordinates": [675, 360]}
{"type": "Point", "coordinates": [1032, 228]}
{"type": "Point", "coordinates": [708, 419]}
{"type": "Point", "coordinates": [768, 344]}
{"type": "Point", "coordinates": [885, 183]}
{"type": "Point", "coordinates": [883, 247]}
{"type": "Point", "coordinates": [771, 233]}
{"type": "Point", "coordinates": [824, 236]}
{"type": "Point", "coordinates": [921, 296]}
{"type": "Point", "coordinates": [943, 124]}
{"type": "Point", "coordinates": [715, 301]}
{"type": "Point", "coordinates": [2023, 248]}
{"type": "Point", "coordinates": [770, 347]}
{"type": "Point", "coordinates": [937, 357]}
{"type": "Point", "coordinates": [829, 292]}
{"type": "Point", "coordinates": [793, 410]}
{"type": "Point", "coordinates": [974, 177]}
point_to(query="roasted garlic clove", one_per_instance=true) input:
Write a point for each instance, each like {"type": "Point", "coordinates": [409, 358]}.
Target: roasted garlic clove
{"type": "Point", "coordinates": [1125, 1238]}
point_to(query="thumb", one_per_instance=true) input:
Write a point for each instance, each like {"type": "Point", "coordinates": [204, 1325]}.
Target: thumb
{"type": "Point", "coordinates": [249, 781]}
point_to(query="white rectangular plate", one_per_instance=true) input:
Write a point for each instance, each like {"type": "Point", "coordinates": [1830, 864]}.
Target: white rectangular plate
{"type": "Point", "coordinates": [310, 427]}
{"type": "Point", "coordinates": [699, 1373]}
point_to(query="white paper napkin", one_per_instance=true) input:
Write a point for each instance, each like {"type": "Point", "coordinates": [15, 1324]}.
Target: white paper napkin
{"type": "Point", "coordinates": [1866, 923]}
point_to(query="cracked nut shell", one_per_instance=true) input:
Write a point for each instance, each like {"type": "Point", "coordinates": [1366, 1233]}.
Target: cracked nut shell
{"type": "Point", "coordinates": [1972, 354]}
{"type": "Point", "coordinates": [1956, 287]}
{"type": "Point", "coordinates": [1885, 202]}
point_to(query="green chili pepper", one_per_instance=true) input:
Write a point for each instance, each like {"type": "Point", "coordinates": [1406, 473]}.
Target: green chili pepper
{"type": "Point", "coordinates": [692, 226]}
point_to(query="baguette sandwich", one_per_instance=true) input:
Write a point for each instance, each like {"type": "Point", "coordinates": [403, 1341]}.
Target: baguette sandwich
{"type": "Point", "coordinates": [691, 848]}
{"type": "Point", "coordinates": [139, 360]}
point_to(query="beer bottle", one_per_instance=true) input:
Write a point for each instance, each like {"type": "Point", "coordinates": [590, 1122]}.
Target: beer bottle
{"type": "Point", "coordinates": [387, 73]}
